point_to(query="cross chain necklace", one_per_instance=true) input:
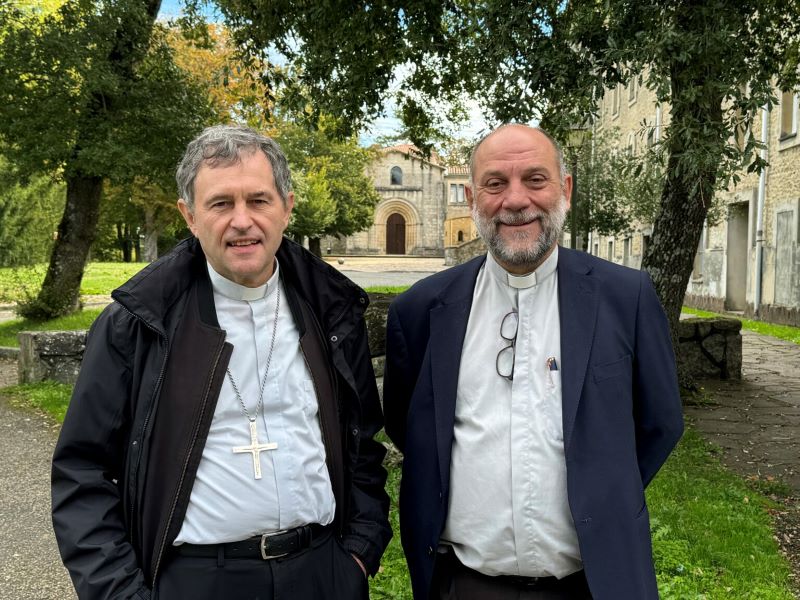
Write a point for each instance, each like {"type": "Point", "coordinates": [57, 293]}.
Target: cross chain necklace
{"type": "Point", "coordinates": [255, 449]}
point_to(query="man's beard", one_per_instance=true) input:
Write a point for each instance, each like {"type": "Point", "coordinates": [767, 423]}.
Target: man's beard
{"type": "Point", "coordinates": [533, 249]}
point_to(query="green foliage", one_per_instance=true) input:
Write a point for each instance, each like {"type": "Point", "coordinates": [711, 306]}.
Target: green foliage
{"type": "Point", "coordinates": [314, 208]}
{"type": "Point", "coordinates": [622, 188]}
{"type": "Point", "coordinates": [28, 219]}
{"type": "Point", "coordinates": [90, 93]}
{"type": "Point", "coordinates": [344, 162]}
{"type": "Point", "coordinates": [92, 88]}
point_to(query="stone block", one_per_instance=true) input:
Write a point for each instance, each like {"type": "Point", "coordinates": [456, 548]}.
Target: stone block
{"type": "Point", "coordinates": [50, 355]}
{"type": "Point", "coordinates": [375, 318]}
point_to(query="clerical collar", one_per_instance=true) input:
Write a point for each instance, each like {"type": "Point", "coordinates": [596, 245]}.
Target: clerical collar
{"type": "Point", "coordinates": [547, 268]}
{"type": "Point", "coordinates": [234, 291]}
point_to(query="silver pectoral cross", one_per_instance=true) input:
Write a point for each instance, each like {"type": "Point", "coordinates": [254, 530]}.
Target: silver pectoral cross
{"type": "Point", "coordinates": [255, 449]}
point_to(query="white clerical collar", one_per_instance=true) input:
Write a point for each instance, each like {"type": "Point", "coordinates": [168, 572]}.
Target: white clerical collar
{"type": "Point", "coordinates": [235, 291]}
{"type": "Point", "coordinates": [547, 268]}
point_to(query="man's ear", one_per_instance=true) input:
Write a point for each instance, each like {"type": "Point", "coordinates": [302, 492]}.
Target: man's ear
{"type": "Point", "coordinates": [187, 213]}
{"type": "Point", "coordinates": [289, 205]}
{"type": "Point", "coordinates": [468, 193]}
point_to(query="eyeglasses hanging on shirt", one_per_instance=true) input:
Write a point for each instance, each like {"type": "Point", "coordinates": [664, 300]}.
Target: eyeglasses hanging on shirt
{"type": "Point", "coordinates": [505, 358]}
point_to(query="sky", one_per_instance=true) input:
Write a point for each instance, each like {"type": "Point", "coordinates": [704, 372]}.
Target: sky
{"type": "Point", "coordinates": [386, 125]}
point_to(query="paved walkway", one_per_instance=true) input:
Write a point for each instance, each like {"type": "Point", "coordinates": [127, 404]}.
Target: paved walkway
{"type": "Point", "coordinates": [757, 420]}
{"type": "Point", "coordinates": [30, 568]}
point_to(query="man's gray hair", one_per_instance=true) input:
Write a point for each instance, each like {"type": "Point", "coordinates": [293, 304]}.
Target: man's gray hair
{"type": "Point", "coordinates": [562, 166]}
{"type": "Point", "coordinates": [223, 145]}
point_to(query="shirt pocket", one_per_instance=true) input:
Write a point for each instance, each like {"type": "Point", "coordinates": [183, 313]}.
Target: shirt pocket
{"type": "Point", "coordinates": [553, 403]}
{"type": "Point", "coordinates": [615, 368]}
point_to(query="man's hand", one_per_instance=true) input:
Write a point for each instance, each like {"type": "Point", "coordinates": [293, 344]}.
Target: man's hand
{"type": "Point", "coordinates": [360, 564]}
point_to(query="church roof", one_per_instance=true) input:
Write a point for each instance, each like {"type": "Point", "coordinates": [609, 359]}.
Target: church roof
{"type": "Point", "coordinates": [458, 170]}
{"type": "Point", "coordinates": [413, 151]}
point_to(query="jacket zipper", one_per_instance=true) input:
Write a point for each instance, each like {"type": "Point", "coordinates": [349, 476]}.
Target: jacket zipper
{"type": "Point", "coordinates": [140, 438]}
{"type": "Point", "coordinates": [217, 356]}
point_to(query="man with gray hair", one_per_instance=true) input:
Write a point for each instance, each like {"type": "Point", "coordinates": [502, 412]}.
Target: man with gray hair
{"type": "Point", "coordinates": [219, 441]}
{"type": "Point", "coordinates": [533, 394]}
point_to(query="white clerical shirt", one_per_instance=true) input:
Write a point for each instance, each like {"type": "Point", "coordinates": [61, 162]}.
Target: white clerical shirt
{"type": "Point", "coordinates": [227, 503]}
{"type": "Point", "coordinates": [508, 512]}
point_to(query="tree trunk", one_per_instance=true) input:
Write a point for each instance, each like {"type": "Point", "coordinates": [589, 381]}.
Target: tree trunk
{"type": "Point", "coordinates": [685, 200]}
{"type": "Point", "coordinates": [150, 235]}
{"type": "Point", "coordinates": [314, 246]}
{"type": "Point", "coordinates": [76, 232]}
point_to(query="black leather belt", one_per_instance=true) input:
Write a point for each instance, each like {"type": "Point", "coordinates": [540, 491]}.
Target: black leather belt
{"type": "Point", "coordinates": [543, 583]}
{"type": "Point", "coordinates": [266, 546]}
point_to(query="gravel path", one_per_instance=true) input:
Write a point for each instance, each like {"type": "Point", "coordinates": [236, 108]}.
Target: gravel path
{"type": "Point", "coordinates": [30, 568]}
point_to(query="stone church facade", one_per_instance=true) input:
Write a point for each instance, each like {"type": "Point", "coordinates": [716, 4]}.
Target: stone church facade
{"type": "Point", "coordinates": [730, 271]}
{"type": "Point", "coordinates": [409, 219]}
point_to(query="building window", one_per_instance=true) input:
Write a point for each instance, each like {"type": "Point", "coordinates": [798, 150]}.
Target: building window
{"type": "Point", "coordinates": [615, 101]}
{"type": "Point", "coordinates": [457, 193]}
{"type": "Point", "coordinates": [789, 109]}
{"type": "Point", "coordinates": [397, 176]}
{"type": "Point", "coordinates": [626, 251]}
{"type": "Point", "coordinates": [596, 250]}
{"type": "Point", "coordinates": [632, 90]}
{"type": "Point", "coordinates": [460, 236]}
{"type": "Point", "coordinates": [611, 251]}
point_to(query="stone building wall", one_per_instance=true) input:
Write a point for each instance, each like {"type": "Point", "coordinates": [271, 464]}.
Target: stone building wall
{"type": "Point", "coordinates": [418, 201]}
{"type": "Point", "coordinates": [724, 275]}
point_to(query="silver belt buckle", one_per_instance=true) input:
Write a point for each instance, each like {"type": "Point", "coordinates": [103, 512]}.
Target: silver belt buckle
{"type": "Point", "coordinates": [263, 545]}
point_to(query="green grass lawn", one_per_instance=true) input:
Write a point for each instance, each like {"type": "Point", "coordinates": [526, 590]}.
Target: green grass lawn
{"type": "Point", "coordinates": [80, 320]}
{"type": "Point", "coordinates": [783, 332]}
{"type": "Point", "coordinates": [20, 283]}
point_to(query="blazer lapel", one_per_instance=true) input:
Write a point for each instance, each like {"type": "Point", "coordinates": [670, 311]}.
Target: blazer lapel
{"type": "Point", "coordinates": [448, 327]}
{"type": "Point", "coordinates": [577, 299]}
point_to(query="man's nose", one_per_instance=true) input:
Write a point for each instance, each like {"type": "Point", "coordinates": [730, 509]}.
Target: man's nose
{"type": "Point", "coordinates": [516, 196]}
{"type": "Point", "coordinates": [241, 218]}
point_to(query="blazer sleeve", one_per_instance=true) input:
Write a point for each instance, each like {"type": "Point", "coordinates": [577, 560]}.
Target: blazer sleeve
{"type": "Point", "coordinates": [87, 470]}
{"type": "Point", "coordinates": [658, 412]}
{"type": "Point", "coordinates": [399, 378]}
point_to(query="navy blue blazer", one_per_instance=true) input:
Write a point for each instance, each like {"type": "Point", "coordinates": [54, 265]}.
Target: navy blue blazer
{"type": "Point", "coordinates": [621, 408]}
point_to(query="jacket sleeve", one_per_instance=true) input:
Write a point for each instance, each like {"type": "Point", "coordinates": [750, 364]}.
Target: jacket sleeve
{"type": "Point", "coordinates": [367, 531]}
{"type": "Point", "coordinates": [658, 410]}
{"type": "Point", "coordinates": [88, 471]}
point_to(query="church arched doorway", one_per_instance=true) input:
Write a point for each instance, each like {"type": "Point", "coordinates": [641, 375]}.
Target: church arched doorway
{"type": "Point", "coordinates": [395, 234]}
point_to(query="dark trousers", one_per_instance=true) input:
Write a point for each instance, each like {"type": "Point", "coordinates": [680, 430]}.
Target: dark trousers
{"type": "Point", "coordinates": [453, 581]}
{"type": "Point", "coordinates": [324, 571]}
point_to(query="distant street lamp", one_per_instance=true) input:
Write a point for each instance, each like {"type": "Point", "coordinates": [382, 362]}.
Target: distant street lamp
{"type": "Point", "coordinates": [576, 137]}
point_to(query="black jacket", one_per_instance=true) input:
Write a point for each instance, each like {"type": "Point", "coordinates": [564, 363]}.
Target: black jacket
{"type": "Point", "coordinates": [128, 451]}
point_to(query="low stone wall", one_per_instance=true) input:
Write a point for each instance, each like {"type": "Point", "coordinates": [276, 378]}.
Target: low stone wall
{"type": "Point", "coordinates": [50, 355]}
{"type": "Point", "coordinates": [712, 347]}
{"type": "Point", "coordinates": [456, 255]}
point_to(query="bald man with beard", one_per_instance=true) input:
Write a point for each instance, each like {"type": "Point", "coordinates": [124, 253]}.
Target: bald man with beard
{"type": "Point", "coordinates": [533, 393]}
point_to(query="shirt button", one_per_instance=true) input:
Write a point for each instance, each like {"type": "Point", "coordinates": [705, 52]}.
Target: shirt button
{"type": "Point", "coordinates": [354, 431]}
{"type": "Point", "coordinates": [362, 300]}
{"type": "Point", "coordinates": [334, 338]}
